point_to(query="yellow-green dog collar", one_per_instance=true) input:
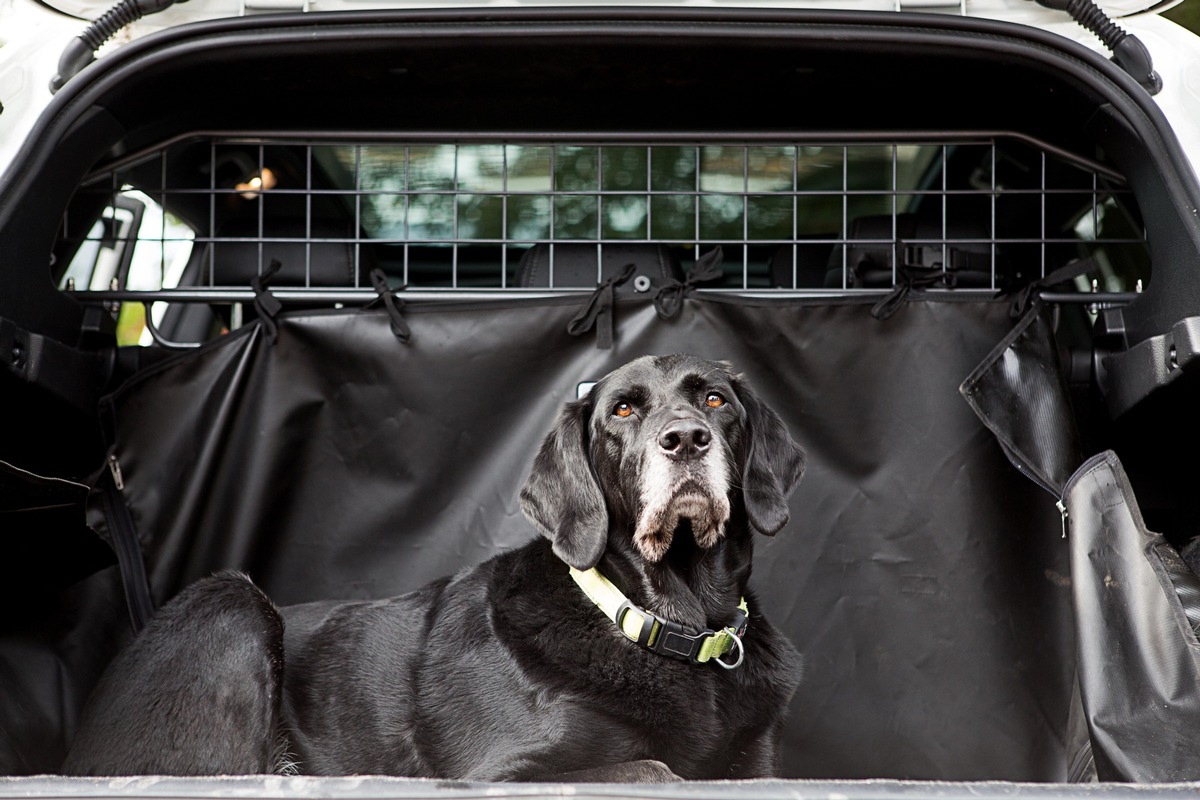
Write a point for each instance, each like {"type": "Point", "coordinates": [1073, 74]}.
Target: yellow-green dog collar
{"type": "Point", "coordinates": [660, 635]}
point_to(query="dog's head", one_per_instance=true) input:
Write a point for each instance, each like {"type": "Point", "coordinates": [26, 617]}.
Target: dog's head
{"type": "Point", "coordinates": [662, 442]}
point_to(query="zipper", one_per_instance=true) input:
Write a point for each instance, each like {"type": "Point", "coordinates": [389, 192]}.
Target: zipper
{"type": "Point", "coordinates": [125, 543]}
{"type": "Point", "coordinates": [114, 468]}
{"type": "Point", "coordinates": [1059, 499]}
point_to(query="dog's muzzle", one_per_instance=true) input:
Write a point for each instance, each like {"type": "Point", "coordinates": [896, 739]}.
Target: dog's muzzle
{"type": "Point", "coordinates": [685, 476]}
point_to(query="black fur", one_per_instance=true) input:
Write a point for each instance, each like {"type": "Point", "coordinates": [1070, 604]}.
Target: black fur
{"type": "Point", "coordinates": [505, 671]}
{"type": "Point", "coordinates": [197, 693]}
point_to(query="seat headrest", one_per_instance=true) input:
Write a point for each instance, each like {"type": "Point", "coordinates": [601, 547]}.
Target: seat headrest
{"type": "Point", "coordinates": [803, 263]}
{"type": "Point", "coordinates": [581, 266]}
{"type": "Point", "coordinates": [326, 246]}
{"type": "Point", "coordinates": [967, 251]}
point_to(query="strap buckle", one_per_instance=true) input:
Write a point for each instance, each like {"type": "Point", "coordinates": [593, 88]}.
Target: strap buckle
{"type": "Point", "coordinates": [650, 623]}
{"type": "Point", "coordinates": [679, 642]}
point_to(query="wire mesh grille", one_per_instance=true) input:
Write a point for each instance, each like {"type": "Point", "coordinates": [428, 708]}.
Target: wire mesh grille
{"type": "Point", "coordinates": [986, 213]}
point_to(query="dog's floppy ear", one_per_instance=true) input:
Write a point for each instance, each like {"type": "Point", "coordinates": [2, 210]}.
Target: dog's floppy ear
{"type": "Point", "coordinates": [561, 496]}
{"type": "Point", "coordinates": [774, 464]}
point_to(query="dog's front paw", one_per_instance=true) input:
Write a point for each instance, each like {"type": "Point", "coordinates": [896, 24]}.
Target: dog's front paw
{"type": "Point", "coordinates": [646, 771]}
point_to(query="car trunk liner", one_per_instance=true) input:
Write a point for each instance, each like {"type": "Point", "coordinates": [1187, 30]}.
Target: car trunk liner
{"type": "Point", "coordinates": [922, 578]}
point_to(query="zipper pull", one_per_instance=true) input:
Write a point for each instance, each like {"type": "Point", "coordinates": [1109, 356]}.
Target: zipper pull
{"type": "Point", "coordinates": [1062, 509]}
{"type": "Point", "coordinates": [115, 468]}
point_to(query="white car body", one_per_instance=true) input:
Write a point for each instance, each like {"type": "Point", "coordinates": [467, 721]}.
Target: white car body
{"type": "Point", "coordinates": [33, 36]}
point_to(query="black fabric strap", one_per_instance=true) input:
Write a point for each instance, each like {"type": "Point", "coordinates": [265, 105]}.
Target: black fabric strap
{"type": "Point", "coordinates": [668, 300]}
{"type": "Point", "coordinates": [265, 303]}
{"type": "Point", "coordinates": [598, 313]}
{"type": "Point", "coordinates": [393, 304]}
{"type": "Point", "coordinates": [1029, 293]}
{"type": "Point", "coordinates": [909, 279]}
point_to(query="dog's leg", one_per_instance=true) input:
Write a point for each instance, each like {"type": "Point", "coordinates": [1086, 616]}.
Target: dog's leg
{"type": "Point", "coordinates": [757, 756]}
{"type": "Point", "coordinates": [197, 693]}
{"type": "Point", "coordinates": [645, 771]}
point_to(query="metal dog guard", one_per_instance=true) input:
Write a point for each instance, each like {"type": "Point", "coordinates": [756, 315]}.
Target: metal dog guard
{"type": "Point", "coordinates": [450, 217]}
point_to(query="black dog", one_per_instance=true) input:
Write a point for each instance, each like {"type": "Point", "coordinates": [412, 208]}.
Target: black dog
{"type": "Point", "coordinates": [508, 670]}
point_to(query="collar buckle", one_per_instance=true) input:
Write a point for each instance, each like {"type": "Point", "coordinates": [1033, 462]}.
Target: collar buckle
{"type": "Point", "coordinates": [677, 641]}
{"type": "Point", "coordinates": [662, 636]}
{"type": "Point", "coordinates": [638, 624]}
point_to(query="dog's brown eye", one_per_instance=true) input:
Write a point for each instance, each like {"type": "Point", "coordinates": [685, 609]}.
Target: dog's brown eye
{"type": "Point", "coordinates": [622, 410]}
{"type": "Point", "coordinates": [714, 400]}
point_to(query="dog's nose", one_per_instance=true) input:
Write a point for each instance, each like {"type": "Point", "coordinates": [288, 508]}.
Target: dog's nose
{"type": "Point", "coordinates": [682, 439]}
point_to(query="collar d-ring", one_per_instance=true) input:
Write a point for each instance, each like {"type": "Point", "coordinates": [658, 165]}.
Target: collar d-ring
{"type": "Point", "coordinates": [741, 654]}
